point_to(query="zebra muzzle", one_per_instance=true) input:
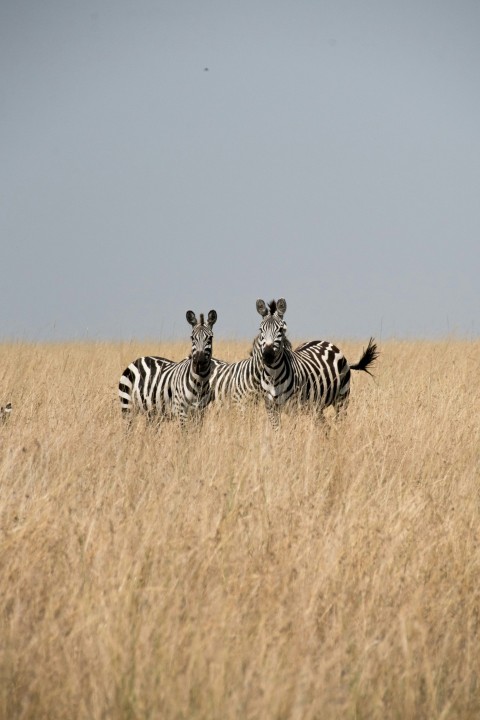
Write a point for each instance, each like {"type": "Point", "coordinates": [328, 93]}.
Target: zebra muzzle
{"type": "Point", "coordinates": [268, 354]}
{"type": "Point", "coordinates": [200, 362]}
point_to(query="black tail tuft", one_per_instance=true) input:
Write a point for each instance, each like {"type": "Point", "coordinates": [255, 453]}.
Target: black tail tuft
{"type": "Point", "coordinates": [368, 358]}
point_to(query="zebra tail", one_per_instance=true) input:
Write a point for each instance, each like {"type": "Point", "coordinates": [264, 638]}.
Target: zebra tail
{"type": "Point", "coordinates": [368, 358]}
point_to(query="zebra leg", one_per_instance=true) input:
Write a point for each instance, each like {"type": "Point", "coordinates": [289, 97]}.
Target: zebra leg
{"type": "Point", "coordinates": [183, 419]}
{"type": "Point", "coordinates": [191, 421]}
{"type": "Point", "coordinates": [273, 413]}
{"type": "Point", "coordinates": [187, 415]}
{"type": "Point", "coordinates": [130, 415]}
{"type": "Point", "coordinates": [319, 416]}
{"type": "Point", "coordinates": [341, 406]}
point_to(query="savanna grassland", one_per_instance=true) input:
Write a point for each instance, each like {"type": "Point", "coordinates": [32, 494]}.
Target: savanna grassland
{"type": "Point", "coordinates": [225, 572]}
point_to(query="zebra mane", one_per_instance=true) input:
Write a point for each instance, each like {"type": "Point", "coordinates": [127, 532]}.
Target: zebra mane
{"type": "Point", "coordinates": [272, 306]}
{"type": "Point", "coordinates": [201, 319]}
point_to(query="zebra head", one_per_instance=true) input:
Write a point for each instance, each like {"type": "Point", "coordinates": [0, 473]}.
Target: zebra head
{"type": "Point", "coordinates": [273, 329]}
{"type": "Point", "coordinates": [202, 338]}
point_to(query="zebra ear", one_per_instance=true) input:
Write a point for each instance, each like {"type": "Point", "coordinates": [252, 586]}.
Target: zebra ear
{"type": "Point", "coordinates": [261, 308]}
{"type": "Point", "coordinates": [281, 307]}
{"type": "Point", "coordinates": [212, 317]}
{"type": "Point", "coordinates": [191, 318]}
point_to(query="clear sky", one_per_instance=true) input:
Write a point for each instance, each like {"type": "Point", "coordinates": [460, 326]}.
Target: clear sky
{"type": "Point", "coordinates": [330, 154]}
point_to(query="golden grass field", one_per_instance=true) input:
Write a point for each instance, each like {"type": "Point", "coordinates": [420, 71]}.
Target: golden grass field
{"type": "Point", "coordinates": [228, 572]}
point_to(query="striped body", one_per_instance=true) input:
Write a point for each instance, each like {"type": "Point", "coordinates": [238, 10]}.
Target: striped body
{"type": "Point", "coordinates": [316, 373]}
{"type": "Point", "coordinates": [237, 381]}
{"type": "Point", "coordinates": [169, 389]}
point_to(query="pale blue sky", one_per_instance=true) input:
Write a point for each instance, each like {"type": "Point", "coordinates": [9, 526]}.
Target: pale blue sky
{"type": "Point", "coordinates": [330, 155]}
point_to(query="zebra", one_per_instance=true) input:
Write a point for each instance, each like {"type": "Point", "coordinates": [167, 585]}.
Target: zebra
{"type": "Point", "coordinates": [239, 380]}
{"type": "Point", "coordinates": [315, 373]}
{"type": "Point", "coordinates": [5, 412]}
{"type": "Point", "coordinates": [166, 389]}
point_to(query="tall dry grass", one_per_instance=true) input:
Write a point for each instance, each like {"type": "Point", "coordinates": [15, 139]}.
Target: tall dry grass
{"type": "Point", "coordinates": [229, 573]}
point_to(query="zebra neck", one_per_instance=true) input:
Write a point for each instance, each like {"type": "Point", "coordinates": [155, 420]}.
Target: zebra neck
{"type": "Point", "coordinates": [202, 377]}
{"type": "Point", "coordinates": [278, 382]}
{"type": "Point", "coordinates": [256, 363]}
{"type": "Point", "coordinates": [273, 373]}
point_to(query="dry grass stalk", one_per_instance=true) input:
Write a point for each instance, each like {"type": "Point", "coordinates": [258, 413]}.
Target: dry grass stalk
{"type": "Point", "coordinates": [226, 572]}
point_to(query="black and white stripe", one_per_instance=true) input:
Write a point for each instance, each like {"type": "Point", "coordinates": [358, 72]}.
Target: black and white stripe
{"type": "Point", "coordinates": [240, 380]}
{"type": "Point", "coordinates": [169, 389]}
{"type": "Point", "coordinates": [316, 373]}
